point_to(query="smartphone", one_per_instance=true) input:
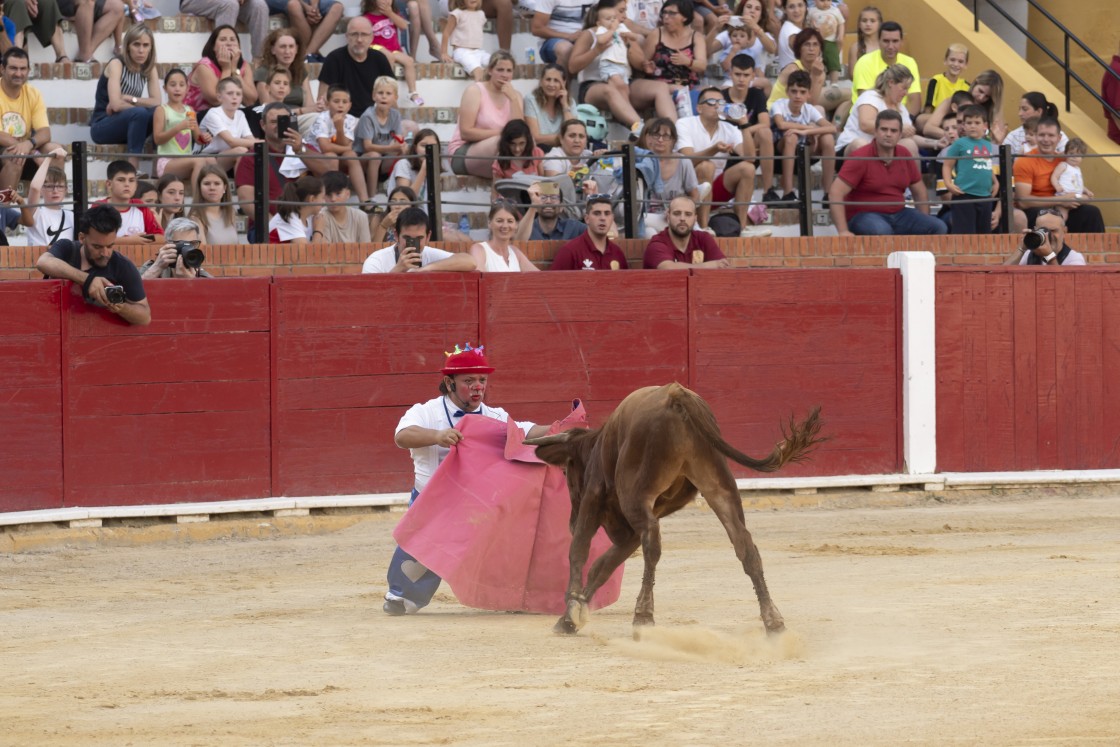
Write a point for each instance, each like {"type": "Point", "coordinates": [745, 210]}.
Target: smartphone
{"type": "Point", "coordinates": [549, 188]}
{"type": "Point", "coordinates": [283, 124]}
{"type": "Point", "coordinates": [410, 243]}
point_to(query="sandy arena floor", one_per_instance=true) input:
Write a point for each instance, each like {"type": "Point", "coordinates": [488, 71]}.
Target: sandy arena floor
{"type": "Point", "coordinates": [978, 619]}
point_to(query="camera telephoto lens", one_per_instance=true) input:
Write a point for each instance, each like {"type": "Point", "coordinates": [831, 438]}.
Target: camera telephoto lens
{"type": "Point", "coordinates": [193, 257]}
{"type": "Point", "coordinates": [1034, 239]}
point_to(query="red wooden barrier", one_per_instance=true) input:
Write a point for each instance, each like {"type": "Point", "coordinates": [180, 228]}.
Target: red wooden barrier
{"type": "Point", "coordinates": [1026, 369]}
{"type": "Point", "coordinates": [30, 396]}
{"type": "Point", "coordinates": [175, 411]}
{"type": "Point", "coordinates": [350, 355]}
{"type": "Point", "coordinates": [766, 344]}
{"type": "Point", "coordinates": [595, 337]}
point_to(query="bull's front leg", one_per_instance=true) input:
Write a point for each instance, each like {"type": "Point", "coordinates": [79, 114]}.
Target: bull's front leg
{"type": "Point", "coordinates": [577, 612]}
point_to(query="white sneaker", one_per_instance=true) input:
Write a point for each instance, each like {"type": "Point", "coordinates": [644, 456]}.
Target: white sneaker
{"type": "Point", "coordinates": [755, 232]}
{"type": "Point", "coordinates": [705, 190]}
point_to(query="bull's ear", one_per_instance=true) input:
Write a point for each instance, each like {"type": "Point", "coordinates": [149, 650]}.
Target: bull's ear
{"type": "Point", "coordinates": [555, 438]}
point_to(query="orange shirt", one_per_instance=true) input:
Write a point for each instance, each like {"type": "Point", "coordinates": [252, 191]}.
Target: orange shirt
{"type": "Point", "coordinates": [1036, 172]}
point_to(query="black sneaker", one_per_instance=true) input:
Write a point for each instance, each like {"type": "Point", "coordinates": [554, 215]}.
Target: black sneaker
{"type": "Point", "coordinates": [771, 197]}
{"type": "Point", "coordinates": [394, 607]}
{"type": "Point", "coordinates": [789, 198]}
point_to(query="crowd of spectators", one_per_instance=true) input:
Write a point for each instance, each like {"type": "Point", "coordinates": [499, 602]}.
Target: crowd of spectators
{"type": "Point", "coordinates": [339, 144]}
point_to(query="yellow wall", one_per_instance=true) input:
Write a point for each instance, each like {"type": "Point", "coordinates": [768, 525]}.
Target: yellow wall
{"type": "Point", "coordinates": [1095, 23]}
{"type": "Point", "coordinates": [930, 25]}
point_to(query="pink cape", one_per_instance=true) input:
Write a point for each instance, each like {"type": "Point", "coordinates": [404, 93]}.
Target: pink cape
{"type": "Point", "coordinates": [493, 522]}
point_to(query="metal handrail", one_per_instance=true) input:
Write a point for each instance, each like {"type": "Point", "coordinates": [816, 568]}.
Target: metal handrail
{"type": "Point", "coordinates": [1068, 35]}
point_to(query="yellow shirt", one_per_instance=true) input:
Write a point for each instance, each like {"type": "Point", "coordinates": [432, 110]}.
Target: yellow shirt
{"type": "Point", "coordinates": [940, 89]}
{"type": "Point", "coordinates": [869, 66]}
{"type": "Point", "coordinates": [21, 116]}
{"type": "Point", "coordinates": [779, 89]}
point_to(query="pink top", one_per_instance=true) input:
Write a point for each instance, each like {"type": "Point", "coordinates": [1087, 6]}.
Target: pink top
{"type": "Point", "coordinates": [506, 169]}
{"type": "Point", "coordinates": [195, 98]}
{"type": "Point", "coordinates": [490, 117]}
{"type": "Point", "coordinates": [385, 33]}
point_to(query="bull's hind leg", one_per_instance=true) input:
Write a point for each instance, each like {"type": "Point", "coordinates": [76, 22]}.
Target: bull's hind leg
{"type": "Point", "coordinates": [651, 553]}
{"type": "Point", "coordinates": [728, 508]}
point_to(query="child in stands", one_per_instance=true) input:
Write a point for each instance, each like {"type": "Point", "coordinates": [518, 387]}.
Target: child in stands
{"type": "Point", "coordinates": [338, 223]}
{"type": "Point", "coordinates": [867, 35]}
{"type": "Point", "coordinates": [516, 143]}
{"type": "Point", "coordinates": [462, 32]}
{"type": "Point", "coordinates": [797, 122]}
{"type": "Point", "coordinates": [171, 192]}
{"type": "Point", "coordinates": [227, 126]}
{"type": "Point", "coordinates": [138, 224]}
{"type": "Point", "coordinates": [386, 22]}
{"type": "Point", "coordinates": [971, 158]}
{"type": "Point", "coordinates": [826, 18]}
{"type": "Point", "coordinates": [758, 137]}
{"type": "Point", "coordinates": [737, 39]}
{"type": "Point", "coordinates": [44, 214]}
{"type": "Point", "coordinates": [334, 134]}
{"type": "Point", "coordinates": [175, 130]}
{"type": "Point", "coordinates": [292, 222]}
{"type": "Point", "coordinates": [278, 85]}
{"type": "Point", "coordinates": [1067, 178]}
{"type": "Point", "coordinates": [380, 132]}
{"type": "Point", "coordinates": [944, 85]}
{"type": "Point", "coordinates": [213, 208]}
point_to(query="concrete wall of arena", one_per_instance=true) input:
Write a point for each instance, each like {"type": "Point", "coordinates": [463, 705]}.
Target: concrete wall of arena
{"type": "Point", "coordinates": [257, 387]}
{"type": "Point", "coordinates": [931, 25]}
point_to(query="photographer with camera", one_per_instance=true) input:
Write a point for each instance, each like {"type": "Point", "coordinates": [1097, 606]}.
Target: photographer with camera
{"type": "Point", "coordinates": [411, 253]}
{"type": "Point", "coordinates": [1045, 243]}
{"type": "Point", "coordinates": [180, 256]}
{"type": "Point", "coordinates": [106, 277]}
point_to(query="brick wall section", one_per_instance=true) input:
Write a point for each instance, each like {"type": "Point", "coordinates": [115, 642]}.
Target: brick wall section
{"type": "Point", "coordinates": [18, 262]}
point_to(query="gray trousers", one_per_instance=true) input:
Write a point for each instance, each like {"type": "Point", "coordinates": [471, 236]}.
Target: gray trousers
{"type": "Point", "coordinates": [253, 13]}
{"type": "Point", "coordinates": [43, 25]}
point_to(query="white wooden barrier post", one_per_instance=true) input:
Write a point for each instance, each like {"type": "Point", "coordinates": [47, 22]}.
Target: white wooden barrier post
{"type": "Point", "coordinates": [919, 361]}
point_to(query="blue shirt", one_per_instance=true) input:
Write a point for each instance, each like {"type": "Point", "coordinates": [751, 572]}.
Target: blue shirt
{"type": "Point", "coordinates": [566, 230]}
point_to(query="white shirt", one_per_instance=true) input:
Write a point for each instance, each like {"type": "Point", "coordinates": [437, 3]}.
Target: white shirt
{"type": "Point", "coordinates": [291, 228]}
{"type": "Point", "coordinates": [438, 414]}
{"type": "Point", "coordinates": [132, 222]}
{"type": "Point", "coordinates": [809, 114]}
{"type": "Point", "coordinates": [324, 127]}
{"type": "Point", "coordinates": [51, 224]}
{"type": "Point", "coordinates": [565, 16]}
{"type": "Point", "coordinates": [216, 121]}
{"type": "Point", "coordinates": [1017, 141]}
{"type": "Point", "coordinates": [691, 134]}
{"type": "Point", "coordinates": [384, 260]}
{"type": "Point", "coordinates": [851, 127]}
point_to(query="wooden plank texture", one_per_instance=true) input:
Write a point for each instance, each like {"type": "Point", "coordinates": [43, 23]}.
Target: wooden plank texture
{"type": "Point", "coordinates": [771, 344]}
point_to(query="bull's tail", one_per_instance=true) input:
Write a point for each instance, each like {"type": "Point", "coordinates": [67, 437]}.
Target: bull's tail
{"type": "Point", "coordinates": [798, 439]}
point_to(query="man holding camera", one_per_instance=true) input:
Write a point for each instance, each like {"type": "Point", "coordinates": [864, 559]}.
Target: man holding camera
{"type": "Point", "coordinates": [106, 277]}
{"type": "Point", "coordinates": [544, 220]}
{"type": "Point", "coordinates": [411, 253]}
{"type": "Point", "coordinates": [180, 256]}
{"type": "Point", "coordinates": [1045, 244]}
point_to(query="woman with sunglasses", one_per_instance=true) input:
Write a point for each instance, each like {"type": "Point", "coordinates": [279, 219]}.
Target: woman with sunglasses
{"type": "Point", "coordinates": [676, 54]}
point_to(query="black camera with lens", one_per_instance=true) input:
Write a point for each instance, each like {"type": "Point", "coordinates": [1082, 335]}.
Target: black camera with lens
{"type": "Point", "coordinates": [1035, 238]}
{"type": "Point", "coordinates": [114, 294]}
{"type": "Point", "coordinates": [193, 257]}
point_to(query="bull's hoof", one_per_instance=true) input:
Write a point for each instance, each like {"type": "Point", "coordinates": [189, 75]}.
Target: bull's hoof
{"type": "Point", "coordinates": [565, 626]}
{"type": "Point", "coordinates": [643, 620]}
{"type": "Point", "coordinates": [772, 619]}
{"type": "Point", "coordinates": [776, 629]}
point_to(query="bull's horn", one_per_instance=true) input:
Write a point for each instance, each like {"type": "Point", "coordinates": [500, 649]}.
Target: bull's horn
{"type": "Point", "coordinates": [555, 438]}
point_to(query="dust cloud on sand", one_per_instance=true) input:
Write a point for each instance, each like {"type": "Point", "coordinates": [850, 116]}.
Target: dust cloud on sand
{"type": "Point", "coordinates": [972, 618]}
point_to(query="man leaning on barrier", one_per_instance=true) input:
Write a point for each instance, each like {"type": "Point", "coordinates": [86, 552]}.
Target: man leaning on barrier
{"type": "Point", "coordinates": [680, 246]}
{"type": "Point", "coordinates": [105, 276]}
{"type": "Point", "coordinates": [1045, 244]}
{"type": "Point", "coordinates": [411, 253]}
{"type": "Point", "coordinates": [180, 256]}
{"type": "Point", "coordinates": [878, 175]}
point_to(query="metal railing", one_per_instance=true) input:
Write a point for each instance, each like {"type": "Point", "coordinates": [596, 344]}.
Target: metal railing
{"type": "Point", "coordinates": [1067, 37]}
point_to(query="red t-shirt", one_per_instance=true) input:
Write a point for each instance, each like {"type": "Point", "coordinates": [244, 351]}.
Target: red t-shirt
{"type": "Point", "coordinates": [878, 182]}
{"type": "Point", "coordinates": [581, 254]}
{"type": "Point", "coordinates": [662, 248]}
{"type": "Point", "coordinates": [1110, 92]}
{"type": "Point", "coordinates": [243, 176]}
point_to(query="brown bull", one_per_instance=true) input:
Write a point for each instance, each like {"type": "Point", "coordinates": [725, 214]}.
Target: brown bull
{"type": "Point", "coordinates": [655, 452]}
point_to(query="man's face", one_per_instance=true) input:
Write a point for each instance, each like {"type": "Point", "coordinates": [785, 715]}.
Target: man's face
{"type": "Point", "coordinates": [122, 186]}
{"type": "Point", "coordinates": [1047, 137]}
{"type": "Point", "coordinates": [359, 33]}
{"type": "Point", "coordinates": [890, 43]}
{"type": "Point", "coordinates": [709, 105]}
{"type": "Point", "coordinates": [15, 72]}
{"type": "Point", "coordinates": [550, 206]}
{"type": "Point", "coordinates": [184, 234]}
{"type": "Point", "coordinates": [413, 232]}
{"type": "Point", "coordinates": [741, 79]}
{"type": "Point", "coordinates": [469, 389]}
{"type": "Point", "coordinates": [599, 219]}
{"type": "Point", "coordinates": [887, 134]}
{"type": "Point", "coordinates": [98, 247]}
{"type": "Point", "coordinates": [269, 125]}
{"type": "Point", "coordinates": [682, 217]}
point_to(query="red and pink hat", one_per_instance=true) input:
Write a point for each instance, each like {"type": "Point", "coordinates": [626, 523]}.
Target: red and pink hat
{"type": "Point", "coordinates": [466, 360]}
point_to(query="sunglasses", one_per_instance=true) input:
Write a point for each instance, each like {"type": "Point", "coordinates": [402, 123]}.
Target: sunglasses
{"type": "Point", "coordinates": [711, 102]}
{"type": "Point", "coordinates": [600, 197]}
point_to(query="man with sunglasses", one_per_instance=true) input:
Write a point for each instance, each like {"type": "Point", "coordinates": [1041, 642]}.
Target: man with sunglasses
{"type": "Point", "coordinates": [1051, 251]}
{"type": "Point", "coordinates": [168, 262]}
{"type": "Point", "coordinates": [710, 140]}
